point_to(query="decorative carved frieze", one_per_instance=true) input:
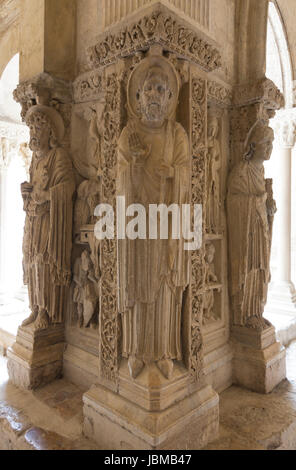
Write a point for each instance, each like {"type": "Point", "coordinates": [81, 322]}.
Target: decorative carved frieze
{"type": "Point", "coordinates": [219, 94]}
{"type": "Point", "coordinates": [88, 87]}
{"type": "Point", "coordinates": [160, 26]}
{"type": "Point", "coordinates": [199, 140]}
{"type": "Point", "coordinates": [109, 325]}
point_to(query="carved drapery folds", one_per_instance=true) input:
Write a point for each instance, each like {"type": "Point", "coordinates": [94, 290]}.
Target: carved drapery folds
{"type": "Point", "coordinates": [160, 26]}
{"type": "Point", "coordinates": [46, 106]}
{"type": "Point", "coordinates": [112, 61]}
{"type": "Point", "coordinates": [250, 199]}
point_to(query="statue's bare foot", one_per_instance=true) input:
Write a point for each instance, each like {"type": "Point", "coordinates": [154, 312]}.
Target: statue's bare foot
{"type": "Point", "coordinates": [42, 321]}
{"type": "Point", "coordinates": [31, 318]}
{"type": "Point", "coordinates": [135, 366]}
{"type": "Point", "coordinates": [166, 366]}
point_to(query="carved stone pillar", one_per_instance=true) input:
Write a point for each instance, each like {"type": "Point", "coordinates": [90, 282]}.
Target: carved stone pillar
{"type": "Point", "coordinates": [150, 403]}
{"type": "Point", "coordinates": [36, 357]}
{"type": "Point", "coordinates": [282, 295]}
{"type": "Point", "coordinates": [259, 360]}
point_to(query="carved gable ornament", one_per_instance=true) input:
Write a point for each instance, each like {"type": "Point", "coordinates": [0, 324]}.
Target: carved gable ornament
{"type": "Point", "coordinates": [158, 26]}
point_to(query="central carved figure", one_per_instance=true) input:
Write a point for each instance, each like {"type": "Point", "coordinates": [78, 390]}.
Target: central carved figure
{"type": "Point", "coordinates": [153, 168]}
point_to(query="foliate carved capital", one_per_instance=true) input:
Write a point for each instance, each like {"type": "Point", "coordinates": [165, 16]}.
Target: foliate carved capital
{"type": "Point", "coordinates": [159, 26]}
{"type": "Point", "coordinates": [264, 93]}
{"type": "Point", "coordinates": [43, 89]}
{"type": "Point", "coordinates": [284, 126]}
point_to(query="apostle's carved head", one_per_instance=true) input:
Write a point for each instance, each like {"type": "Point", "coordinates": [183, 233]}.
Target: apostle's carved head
{"type": "Point", "coordinates": [155, 96]}
{"type": "Point", "coordinates": [153, 90]}
{"type": "Point", "coordinates": [259, 142]}
{"type": "Point", "coordinates": [46, 128]}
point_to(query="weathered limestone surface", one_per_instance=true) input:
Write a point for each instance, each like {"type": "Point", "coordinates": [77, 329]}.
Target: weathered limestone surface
{"type": "Point", "coordinates": [156, 100]}
{"type": "Point", "coordinates": [36, 357]}
{"type": "Point", "coordinates": [117, 423]}
{"type": "Point", "coordinates": [51, 418]}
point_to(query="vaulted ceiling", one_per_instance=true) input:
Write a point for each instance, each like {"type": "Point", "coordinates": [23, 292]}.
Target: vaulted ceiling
{"type": "Point", "coordinates": [9, 13]}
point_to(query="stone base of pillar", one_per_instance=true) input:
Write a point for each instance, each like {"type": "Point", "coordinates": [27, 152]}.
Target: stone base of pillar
{"type": "Point", "coordinates": [259, 360]}
{"type": "Point", "coordinates": [36, 357]}
{"type": "Point", "coordinates": [116, 423]}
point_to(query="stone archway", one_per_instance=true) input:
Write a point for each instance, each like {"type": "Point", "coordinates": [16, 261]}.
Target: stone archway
{"type": "Point", "coordinates": [14, 166]}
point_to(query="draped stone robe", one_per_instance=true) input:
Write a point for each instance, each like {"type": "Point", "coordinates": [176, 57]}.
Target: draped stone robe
{"type": "Point", "coordinates": [48, 233]}
{"type": "Point", "coordinates": [249, 241]}
{"type": "Point", "coordinates": [153, 274]}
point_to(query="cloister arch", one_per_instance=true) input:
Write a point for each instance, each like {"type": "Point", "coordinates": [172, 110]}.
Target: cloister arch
{"type": "Point", "coordinates": [281, 301]}
{"type": "Point", "coordinates": [14, 162]}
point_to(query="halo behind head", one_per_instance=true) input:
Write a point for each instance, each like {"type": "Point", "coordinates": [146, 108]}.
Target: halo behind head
{"type": "Point", "coordinates": [55, 119]}
{"type": "Point", "coordinates": [139, 75]}
{"type": "Point", "coordinates": [259, 129]}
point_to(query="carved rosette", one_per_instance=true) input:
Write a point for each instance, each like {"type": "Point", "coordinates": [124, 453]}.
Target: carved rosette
{"type": "Point", "coordinates": [198, 196]}
{"type": "Point", "coordinates": [159, 27]}
{"type": "Point", "coordinates": [109, 324]}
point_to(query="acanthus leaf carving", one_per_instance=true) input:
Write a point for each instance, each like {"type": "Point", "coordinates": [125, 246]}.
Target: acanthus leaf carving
{"type": "Point", "coordinates": [162, 27]}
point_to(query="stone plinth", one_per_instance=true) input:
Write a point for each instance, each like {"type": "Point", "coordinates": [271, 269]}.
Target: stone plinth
{"type": "Point", "coordinates": [36, 357]}
{"type": "Point", "coordinates": [259, 360]}
{"type": "Point", "coordinates": [117, 423]}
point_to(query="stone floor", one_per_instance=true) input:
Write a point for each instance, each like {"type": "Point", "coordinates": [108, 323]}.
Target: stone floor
{"type": "Point", "coordinates": [51, 418]}
{"type": "Point", "coordinates": [12, 313]}
{"type": "Point", "coordinates": [250, 421]}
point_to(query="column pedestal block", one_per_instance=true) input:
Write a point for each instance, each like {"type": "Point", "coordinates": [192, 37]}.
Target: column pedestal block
{"type": "Point", "coordinates": [118, 424]}
{"type": "Point", "coordinates": [259, 360]}
{"type": "Point", "coordinates": [36, 357]}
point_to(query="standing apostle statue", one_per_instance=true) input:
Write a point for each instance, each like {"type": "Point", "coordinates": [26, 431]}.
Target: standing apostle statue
{"type": "Point", "coordinates": [153, 168]}
{"type": "Point", "coordinates": [250, 211]}
{"type": "Point", "coordinates": [48, 228]}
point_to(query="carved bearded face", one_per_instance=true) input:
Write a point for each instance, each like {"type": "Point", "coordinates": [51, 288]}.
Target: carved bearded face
{"type": "Point", "coordinates": [40, 133]}
{"type": "Point", "coordinates": [155, 96]}
{"type": "Point", "coordinates": [261, 143]}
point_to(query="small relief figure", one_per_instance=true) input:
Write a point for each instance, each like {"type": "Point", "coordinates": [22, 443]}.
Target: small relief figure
{"type": "Point", "coordinates": [153, 168]}
{"type": "Point", "coordinates": [88, 197]}
{"type": "Point", "coordinates": [250, 211]}
{"type": "Point", "coordinates": [211, 278]}
{"type": "Point", "coordinates": [214, 167]}
{"type": "Point", "coordinates": [86, 291]}
{"type": "Point", "coordinates": [48, 228]}
{"type": "Point", "coordinates": [88, 193]}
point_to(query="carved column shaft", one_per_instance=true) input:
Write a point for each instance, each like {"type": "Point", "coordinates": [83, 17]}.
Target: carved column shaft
{"type": "Point", "coordinates": [282, 292]}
